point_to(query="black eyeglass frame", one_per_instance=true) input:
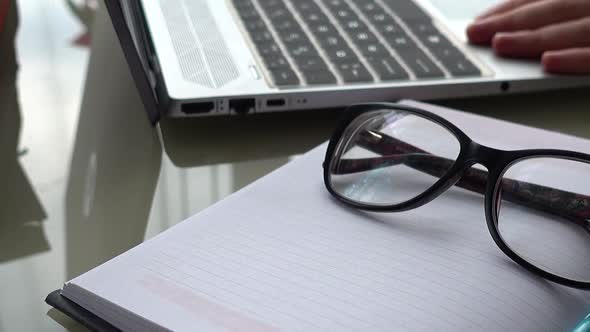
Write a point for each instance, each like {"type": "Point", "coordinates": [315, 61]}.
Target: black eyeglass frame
{"type": "Point", "coordinates": [496, 161]}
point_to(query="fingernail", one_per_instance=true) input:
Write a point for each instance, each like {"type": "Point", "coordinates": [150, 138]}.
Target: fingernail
{"type": "Point", "coordinates": [481, 16]}
{"type": "Point", "coordinates": [474, 26]}
{"type": "Point", "coordinates": [550, 62]}
{"type": "Point", "coordinates": [477, 33]}
{"type": "Point", "coordinates": [499, 41]}
{"type": "Point", "coordinates": [484, 21]}
{"type": "Point", "coordinates": [500, 35]}
{"type": "Point", "coordinates": [478, 25]}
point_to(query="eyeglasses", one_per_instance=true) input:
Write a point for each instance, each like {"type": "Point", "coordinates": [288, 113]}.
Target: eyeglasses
{"type": "Point", "coordinates": [392, 158]}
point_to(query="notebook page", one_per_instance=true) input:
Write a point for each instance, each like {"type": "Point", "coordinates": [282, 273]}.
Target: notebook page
{"type": "Point", "coordinates": [282, 255]}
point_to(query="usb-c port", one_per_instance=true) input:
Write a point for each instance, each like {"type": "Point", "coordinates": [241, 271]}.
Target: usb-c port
{"type": "Point", "coordinates": [276, 102]}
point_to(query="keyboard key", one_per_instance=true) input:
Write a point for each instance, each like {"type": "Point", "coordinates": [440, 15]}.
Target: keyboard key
{"type": "Point", "coordinates": [271, 3]}
{"type": "Point", "coordinates": [286, 25]}
{"type": "Point", "coordinates": [435, 40]}
{"type": "Point", "coordinates": [311, 63]}
{"type": "Point", "coordinates": [269, 49]}
{"type": "Point", "coordinates": [243, 4]}
{"type": "Point", "coordinates": [423, 26]}
{"type": "Point", "coordinates": [354, 72]}
{"type": "Point", "coordinates": [362, 38]}
{"type": "Point", "coordinates": [314, 19]}
{"type": "Point", "coordinates": [278, 14]}
{"type": "Point", "coordinates": [380, 18]}
{"type": "Point", "coordinates": [295, 38]}
{"type": "Point", "coordinates": [306, 7]}
{"type": "Point", "coordinates": [413, 56]}
{"type": "Point", "coordinates": [276, 62]}
{"type": "Point", "coordinates": [406, 9]}
{"type": "Point", "coordinates": [335, 5]}
{"type": "Point", "coordinates": [429, 35]}
{"type": "Point", "coordinates": [420, 64]}
{"type": "Point", "coordinates": [249, 13]}
{"type": "Point", "coordinates": [262, 37]}
{"type": "Point", "coordinates": [255, 26]}
{"type": "Point", "coordinates": [303, 51]}
{"type": "Point", "coordinates": [342, 54]}
{"type": "Point", "coordinates": [386, 25]}
{"type": "Point", "coordinates": [319, 77]}
{"type": "Point", "coordinates": [447, 53]}
{"type": "Point", "coordinates": [388, 68]}
{"type": "Point", "coordinates": [284, 77]}
{"type": "Point", "coordinates": [322, 31]}
{"type": "Point", "coordinates": [402, 43]}
{"type": "Point", "coordinates": [375, 49]}
{"type": "Point", "coordinates": [368, 7]}
{"type": "Point", "coordinates": [461, 67]}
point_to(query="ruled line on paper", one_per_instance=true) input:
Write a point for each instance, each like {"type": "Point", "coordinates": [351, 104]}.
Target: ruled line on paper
{"type": "Point", "coordinates": [336, 297]}
{"type": "Point", "coordinates": [202, 307]}
{"type": "Point", "coordinates": [303, 312]}
{"type": "Point", "coordinates": [260, 244]}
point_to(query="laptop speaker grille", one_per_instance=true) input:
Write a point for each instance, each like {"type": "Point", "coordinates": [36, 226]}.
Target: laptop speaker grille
{"type": "Point", "coordinates": [199, 45]}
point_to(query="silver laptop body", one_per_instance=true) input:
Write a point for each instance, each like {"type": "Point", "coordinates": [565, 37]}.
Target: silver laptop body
{"type": "Point", "coordinates": [225, 57]}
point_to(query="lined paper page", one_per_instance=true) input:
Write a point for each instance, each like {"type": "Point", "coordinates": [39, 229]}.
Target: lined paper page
{"type": "Point", "coordinates": [283, 255]}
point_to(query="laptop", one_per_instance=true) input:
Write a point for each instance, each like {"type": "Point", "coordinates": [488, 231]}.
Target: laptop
{"type": "Point", "coordinates": [194, 58]}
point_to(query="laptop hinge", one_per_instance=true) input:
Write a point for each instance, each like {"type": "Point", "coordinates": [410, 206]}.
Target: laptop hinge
{"type": "Point", "coordinates": [129, 25]}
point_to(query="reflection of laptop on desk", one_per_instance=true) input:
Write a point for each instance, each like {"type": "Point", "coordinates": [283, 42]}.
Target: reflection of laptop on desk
{"type": "Point", "coordinates": [211, 57]}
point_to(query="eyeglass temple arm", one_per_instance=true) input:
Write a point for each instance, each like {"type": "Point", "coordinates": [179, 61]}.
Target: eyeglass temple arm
{"type": "Point", "coordinates": [572, 206]}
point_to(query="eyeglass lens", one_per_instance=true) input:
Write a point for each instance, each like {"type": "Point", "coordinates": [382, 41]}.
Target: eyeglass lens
{"type": "Point", "coordinates": [389, 157]}
{"type": "Point", "coordinates": [543, 213]}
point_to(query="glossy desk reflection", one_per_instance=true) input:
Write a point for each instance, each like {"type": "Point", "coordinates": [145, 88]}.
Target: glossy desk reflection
{"type": "Point", "coordinates": [21, 215]}
{"type": "Point", "coordinates": [114, 170]}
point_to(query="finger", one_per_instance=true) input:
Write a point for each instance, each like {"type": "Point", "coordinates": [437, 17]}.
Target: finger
{"type": "Point", "coordinates": [532, 43]}
{"type": "Point", "coordinates": [504, 7]}
{"type": "Point", "coordinates": [526, 17]}
{"type": "Point", "coordinates": [571, 61]}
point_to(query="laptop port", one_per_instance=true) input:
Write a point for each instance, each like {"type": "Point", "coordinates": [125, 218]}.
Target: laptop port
{"type": "Point", "coordinates": [242, 106]}
{"type": "Point", "coordinates": [198, 108]}
{"type": "Point", "coordinates": [505, 86]}
{"type": "Point", "coordinates": [276, 102]}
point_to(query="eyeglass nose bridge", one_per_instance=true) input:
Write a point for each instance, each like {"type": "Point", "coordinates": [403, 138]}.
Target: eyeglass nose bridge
{"type": "Point", "coordinates": [476, 180]}
{"type": "Point", "coordinates": [484, 155]}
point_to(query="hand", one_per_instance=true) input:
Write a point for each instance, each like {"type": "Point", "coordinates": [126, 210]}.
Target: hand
{"type": "Point", "coordinates": [558, 31]}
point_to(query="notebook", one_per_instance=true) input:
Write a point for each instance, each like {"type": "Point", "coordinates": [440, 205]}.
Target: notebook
{"type": "Point", "coordinates": [282, 255]}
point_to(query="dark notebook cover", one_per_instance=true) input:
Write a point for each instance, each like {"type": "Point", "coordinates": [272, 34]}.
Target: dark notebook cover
{"type": "Point", "coordinates": [77, 313]}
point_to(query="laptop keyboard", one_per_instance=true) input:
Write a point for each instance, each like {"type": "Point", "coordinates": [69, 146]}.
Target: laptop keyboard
{"type": "Point", "coordinates": [327, 42]}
